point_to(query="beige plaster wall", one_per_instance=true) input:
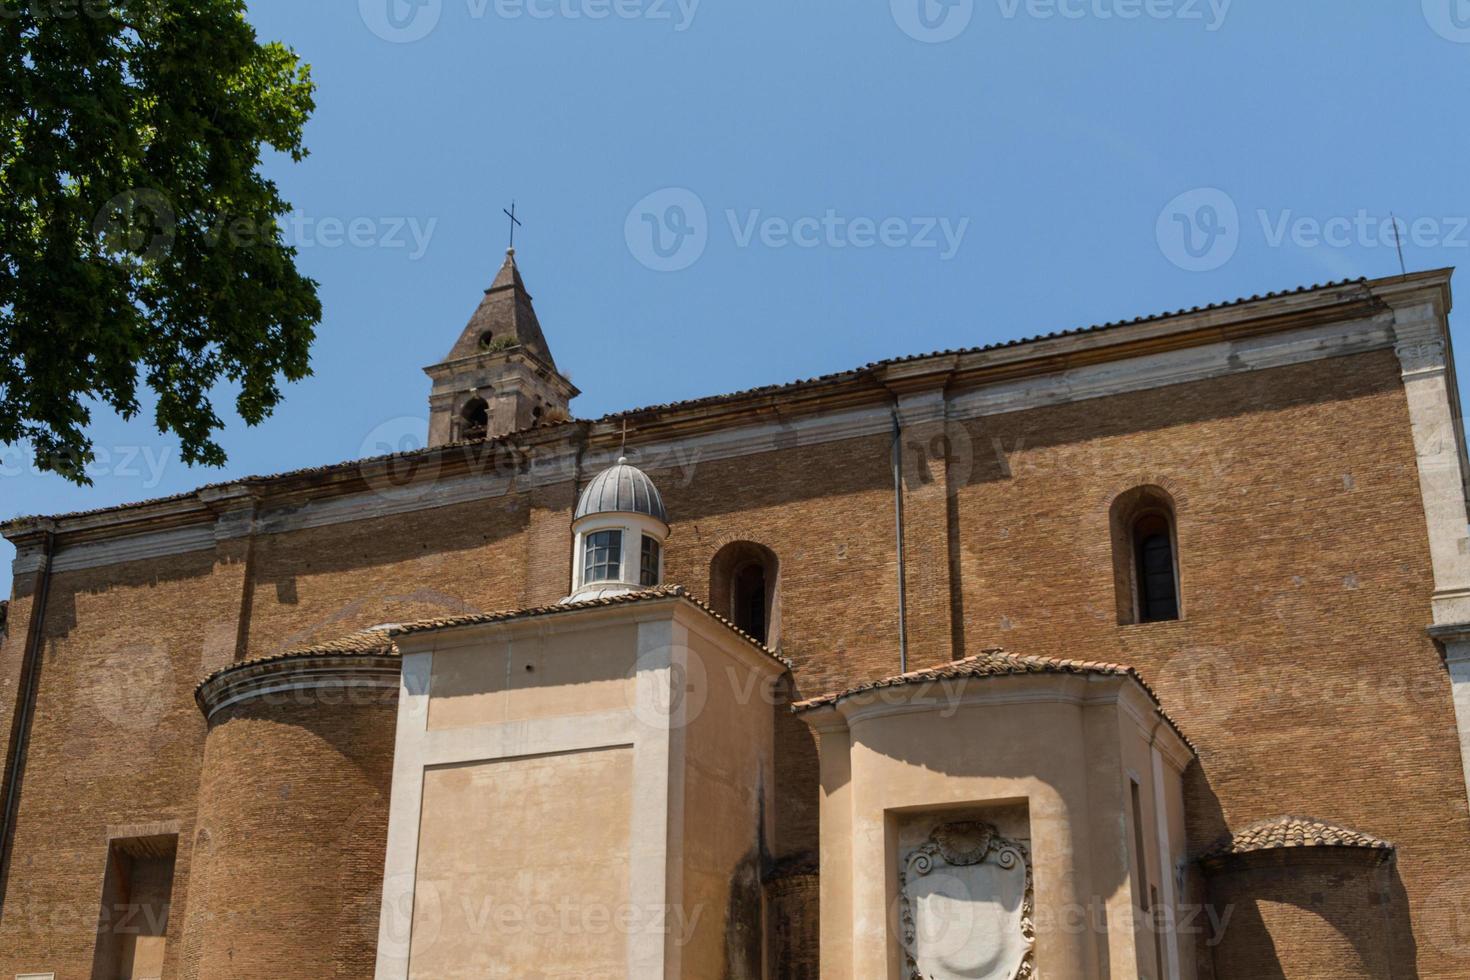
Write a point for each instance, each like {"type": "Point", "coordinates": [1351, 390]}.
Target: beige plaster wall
{"type": "Point", "coordinates": [540, 675]}
{"type": "Point", "coordinates": [728, 814]}
{"type": "Point", "coordinates": [523, 868]}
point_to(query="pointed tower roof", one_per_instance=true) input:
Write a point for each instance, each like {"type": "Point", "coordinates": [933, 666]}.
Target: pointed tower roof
{"type": "Point", "coordinates": [505, 318]}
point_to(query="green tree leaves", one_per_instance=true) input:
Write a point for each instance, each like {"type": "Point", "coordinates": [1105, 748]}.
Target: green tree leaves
{"type": "Point", "coordinates": [138, 239]}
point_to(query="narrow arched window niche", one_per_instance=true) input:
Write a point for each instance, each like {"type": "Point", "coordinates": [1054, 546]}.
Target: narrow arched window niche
{"type": "Point", "coordinates": [1145, 537]}
{"type": "Point", "coordinates": [744, 578]}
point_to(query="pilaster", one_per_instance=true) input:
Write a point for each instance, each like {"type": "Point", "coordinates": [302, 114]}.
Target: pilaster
{"type": "Point", "coordinates": [1422, 344]}
{"type": "Point", "coordinates": [929, 443]}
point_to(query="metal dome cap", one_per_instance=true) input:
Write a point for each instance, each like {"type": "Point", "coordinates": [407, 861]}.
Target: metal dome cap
{"type": "Point", "coordinates": [621, 489]}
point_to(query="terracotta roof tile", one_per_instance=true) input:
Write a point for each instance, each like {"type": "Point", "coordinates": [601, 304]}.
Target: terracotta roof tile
{"type": "Point", "coordinates": [1279, 833]}
{"type": "Point", "coordinates": [661, 592]}
{"type": "Point", "coordinates": [999, 345]}
{"type": "Point", "coordinates": [380, 641]}
{"type": "Point", "coordinates": [988, 663]}
{"type": "Point", "coordinates": [993, 663]}
{"type": "Point", "coordinates": [364, 643]}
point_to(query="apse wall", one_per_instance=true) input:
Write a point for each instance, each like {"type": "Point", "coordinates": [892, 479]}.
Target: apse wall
{"type": "Point", "coordinates": [293, 816]}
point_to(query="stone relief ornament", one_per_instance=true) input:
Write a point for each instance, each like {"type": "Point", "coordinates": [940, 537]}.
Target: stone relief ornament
{"type": "Point", "coordinates": [1420, 355]}
{"type": "Point", "coordinates": [966, 906]}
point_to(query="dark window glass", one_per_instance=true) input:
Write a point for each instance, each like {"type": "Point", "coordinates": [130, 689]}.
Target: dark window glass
{"type": "Point", "coordinates": [1153, 546]}
{"type": "Point", "coordinates": [750, 601]}
{"type": "Point", "coordinates": [648, 567]}
{"type": "Point", "coordinates": [603, 558]}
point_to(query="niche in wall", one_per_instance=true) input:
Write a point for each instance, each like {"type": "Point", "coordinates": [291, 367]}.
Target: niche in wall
{"type": "Point", "coordinates": [965, 895]}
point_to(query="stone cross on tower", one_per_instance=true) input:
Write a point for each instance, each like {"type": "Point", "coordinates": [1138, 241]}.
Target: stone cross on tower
{"type": "Point", "coordinates": [499, 377]}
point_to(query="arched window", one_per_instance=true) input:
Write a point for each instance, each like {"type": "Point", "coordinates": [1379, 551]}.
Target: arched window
{"type": "Point", "coordinates": [743, 589]}
{"type": "Point", "coordinates": [749, 599]}
{"type": "Point", "coordinates": [474, 419]}
{"type": "Point", "coordinates": [1145, 556]}
{"type": "Point", "coordinates": [1153, 550]}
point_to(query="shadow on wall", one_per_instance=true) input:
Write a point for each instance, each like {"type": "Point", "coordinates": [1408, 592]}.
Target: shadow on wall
{"type": "Point", "coordinates": [1335, 912]}
{"type": "Point", "coordinates": [1312, 912]}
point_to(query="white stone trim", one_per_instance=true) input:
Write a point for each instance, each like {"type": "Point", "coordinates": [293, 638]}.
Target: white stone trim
{"type": "Point", "coordinates": [1422, 346]}
{"type": "Point", "coordinates": [1456, 641]}
{"type": "Point", "coordinates": [339, 674]}
{"type": "Point", "coordinates": [1177, 367]}
{"type": "Point", "coordinates": [112, 551]}
{"type": "Point", "coordinates": [1423, 356]}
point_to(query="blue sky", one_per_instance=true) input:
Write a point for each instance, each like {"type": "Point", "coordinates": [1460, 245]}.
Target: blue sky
{"type": "Point", "coordinates": [829, 183]}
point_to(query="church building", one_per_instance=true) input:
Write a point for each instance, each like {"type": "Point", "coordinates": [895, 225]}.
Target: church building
{"type": "Point", "coordinates": [1138, 651]}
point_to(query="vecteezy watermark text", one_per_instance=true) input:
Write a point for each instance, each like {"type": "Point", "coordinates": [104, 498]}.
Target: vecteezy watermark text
{"type": "Point", "coordinates": [406, 21]}
{"type": "Point", "coordinates": [145, 465]}
{"type": "Point", "coordinates": [143, 222]}
{"type": "Point", "coordinates": [1211, 13]}
{"type": "Point", "coordinates": [669, 229]}
{"type": "Point", "coordinates": [1200, 230]}
{"type": "Point", "coordinates": [833, 230]}
{"type": "Point", "coordinates": [937, 21]}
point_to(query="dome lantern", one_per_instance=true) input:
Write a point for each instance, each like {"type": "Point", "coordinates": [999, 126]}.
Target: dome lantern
{"type": "Point", "coordinates": [619, 529]}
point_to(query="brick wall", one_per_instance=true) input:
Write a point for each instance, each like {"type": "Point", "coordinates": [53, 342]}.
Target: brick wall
{"type": "Point", "coordinates": [288, 850]}
{"type": "Point", "coordinates": [1301, 668]}
{"type": "Point", "coordinates": [115, 743]}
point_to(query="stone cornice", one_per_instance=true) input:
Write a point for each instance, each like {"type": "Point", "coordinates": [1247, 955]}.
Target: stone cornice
{"type": "Point", "coordinates": [340, 679]}
{"type": "Point", "coordinates": [447, 370]}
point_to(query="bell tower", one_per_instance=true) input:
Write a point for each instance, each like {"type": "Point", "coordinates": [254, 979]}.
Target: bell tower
{"type": "Point", "coordinates": [499, 377]}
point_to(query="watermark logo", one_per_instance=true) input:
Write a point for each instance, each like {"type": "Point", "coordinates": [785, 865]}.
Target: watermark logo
{"type": "Point", "coordinates": [667, 230]}
{"type": "Point", "coordinates": [138, 222]}
{"type": "Point", "coordinates": [401, 21]}
{"type": "Point", "coordinates": [392, 465]}
{"type": "Point", "coordinates": [1450, 19]}
{"type": "Point", "coordinates": [935, 451]}
{"type": "Point", "coordinates": [668, 688]}
{"type": "Point", "coordinates": [932, 21]}
{"type": "Point", "coordinates": [1199, 230]}
{"type": "Point", "coordinates": [131, 687]}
